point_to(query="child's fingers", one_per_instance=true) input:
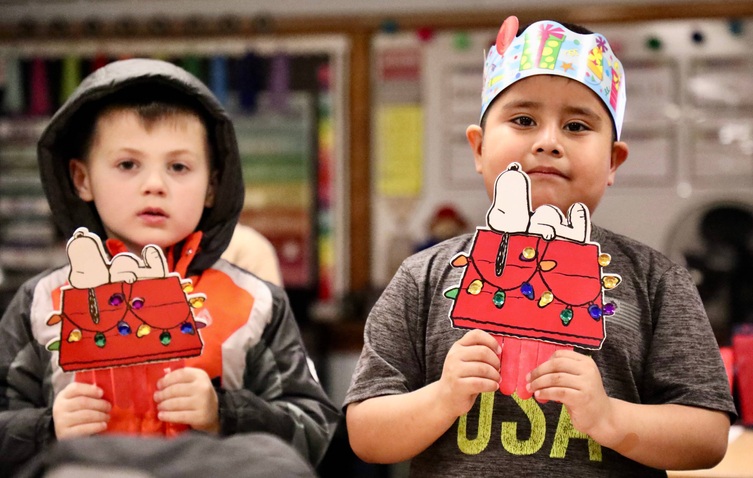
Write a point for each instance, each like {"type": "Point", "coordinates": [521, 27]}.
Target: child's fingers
{"type": "Point", "coordinates": [556, 394]}
{"type": "Point", "coordinates": [472, 362]}
{"type": "Point", "coordinates": [81, 422]}
{"type": "Point", "coordinates": [176, 404]}
{"type": "Point", "coordinates": [555, 380]}
{"type": "Point", "coordinates": [564, 361]}
{"type": "Point", "coordinates": [476, 385]}
{"type": "Point", "coordinates": [176, 390]}
{"type": "Point", "coordinates": [481, 354]}
{"type": "Point", "coordinates": [478, 370]}
{"type": "Point", "coordinates": [198, 414]}
{"type": "Point", "coordinates": [80, 397]}
{"type": "Point", "coordinates": [82, 430]}
{"type": "Point", "coordinates": [185, 417]}
{"type": "Point", "coordinates": [76, 389]}
{"type": "Point", "coordinates": [88, 403]}
{"type": "Point", "coordinates": [479, 337]}
{"type": "Point", "coordinates": [181, 375]}
{"type": "Point", "coordinates": [82, 417]}
{"type": "Point", "coordinates": [190, 382]}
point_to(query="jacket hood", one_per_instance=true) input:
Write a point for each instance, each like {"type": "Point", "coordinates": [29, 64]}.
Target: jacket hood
{"type": "Point", "coordinates": [54, 151]}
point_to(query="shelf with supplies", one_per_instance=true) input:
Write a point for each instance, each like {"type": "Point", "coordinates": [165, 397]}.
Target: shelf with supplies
{"type": "Point", "coordinates": [29, 241]}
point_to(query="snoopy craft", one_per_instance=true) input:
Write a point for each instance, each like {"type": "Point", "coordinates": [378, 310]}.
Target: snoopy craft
{"type": "Point", "coordinates": [123, 312]}
{"type": "Point", "coordinates": [533, 279]}
{"type": "Point", "coordinates": [124, 324]}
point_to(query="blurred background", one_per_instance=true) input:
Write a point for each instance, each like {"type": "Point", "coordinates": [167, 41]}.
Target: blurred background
{"type": "Point", "coordinates": [351, 117]}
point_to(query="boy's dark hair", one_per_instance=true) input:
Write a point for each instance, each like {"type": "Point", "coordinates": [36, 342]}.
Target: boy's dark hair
{"type": "Point", "coordinates": [150, 103]}
{"type": "Point", "coordinates": [570, 26]}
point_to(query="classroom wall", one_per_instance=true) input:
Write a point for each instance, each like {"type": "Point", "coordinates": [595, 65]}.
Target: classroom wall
{"type": "Point", "coordinates": [75, 9]}
{"type": "Point", "coordinates": [689, 125]}
{"type": "Point", "coordinates": [364, 257]}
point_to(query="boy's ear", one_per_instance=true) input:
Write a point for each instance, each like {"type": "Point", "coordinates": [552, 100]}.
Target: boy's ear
{"type": "Point", "coordinates": [81, 180]}
{"type": "Point", "coordinates": [475, 136]}
{"type": "Point", "coordinates": [619, 156]}
{"type": "Point", "coordinates": [209, 200]}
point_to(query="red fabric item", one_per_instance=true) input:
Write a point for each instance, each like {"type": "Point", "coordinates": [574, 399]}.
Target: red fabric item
{"type": "Point", "coordinates": [742, 345]}
{"type": "Point", "coordinates": [728, 357]}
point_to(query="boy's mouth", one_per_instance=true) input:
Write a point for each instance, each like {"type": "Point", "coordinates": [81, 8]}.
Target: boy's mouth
{"type": "Point", "coordinates": [152, 213]}
{"type": "Point", "coordinates": [546, 170]}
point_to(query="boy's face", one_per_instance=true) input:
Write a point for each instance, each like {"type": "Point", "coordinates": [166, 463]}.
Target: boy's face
{"type": "Point", "coordinates": [561, 134]}
{"type": "Point", "coordinates": [149, 185]}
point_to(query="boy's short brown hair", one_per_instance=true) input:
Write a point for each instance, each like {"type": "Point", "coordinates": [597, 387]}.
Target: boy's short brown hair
{"type": "Point", "coordinates": [151, 104]}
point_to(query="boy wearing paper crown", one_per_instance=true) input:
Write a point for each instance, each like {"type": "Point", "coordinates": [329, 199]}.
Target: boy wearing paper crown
{"type": "Point", "coordinates": [648, 396]}
{"type": "Point", "coordinates": [142, 155]}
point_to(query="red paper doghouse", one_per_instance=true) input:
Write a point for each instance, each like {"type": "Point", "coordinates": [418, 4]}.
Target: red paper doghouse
{"type": "Point", "coordinates": [523, 286]}
{"type": "Point", "coordinates": [118, 324]}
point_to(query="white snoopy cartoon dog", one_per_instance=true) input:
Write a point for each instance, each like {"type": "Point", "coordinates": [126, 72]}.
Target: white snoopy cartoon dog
{"type": "Point", "coordinates": [90, 268]}
{"type": "Point", "coordinates": [511, 211]}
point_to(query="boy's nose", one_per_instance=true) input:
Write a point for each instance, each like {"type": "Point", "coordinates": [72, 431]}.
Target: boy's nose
{"type": "Point", "coordinates": [548, 142]}
{"type": "Point", "coordinates": [154, 183]}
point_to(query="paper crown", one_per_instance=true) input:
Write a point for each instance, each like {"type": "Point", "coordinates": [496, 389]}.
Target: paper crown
{"type": "Point", "coordinates": [549, 48]}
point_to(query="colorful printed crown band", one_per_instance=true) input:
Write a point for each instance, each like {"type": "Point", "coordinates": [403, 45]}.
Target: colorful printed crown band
{"type": "Point", "coordinates": [548, 48]}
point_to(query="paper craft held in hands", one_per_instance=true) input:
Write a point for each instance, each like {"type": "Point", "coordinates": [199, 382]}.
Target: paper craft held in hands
{"type": "Point", "coordinates": [125, 311]}
{"type": "Point", "coordinates": [124, 324]}
{"type": "Point", "coordinates": [533, 280]}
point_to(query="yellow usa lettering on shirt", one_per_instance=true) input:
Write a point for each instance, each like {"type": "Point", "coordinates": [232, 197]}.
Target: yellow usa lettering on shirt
{"type": "Point", "coordinates": [510, 441]}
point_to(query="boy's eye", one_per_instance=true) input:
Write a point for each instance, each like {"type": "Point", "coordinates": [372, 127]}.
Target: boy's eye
{"type": "Point", "coordinates": [576, 127]}
{"type": "Point", "coordinates": [126, 165]}
{"type": "Point", "coordinates": [523, 121]}
{"type": "Point", "coordinates": [178, 167]}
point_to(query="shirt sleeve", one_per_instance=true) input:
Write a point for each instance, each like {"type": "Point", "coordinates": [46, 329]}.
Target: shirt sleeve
{"type": "Point", "coordinates": [684, 365]}
{"type": "Point", "coordinates": [389, 362]}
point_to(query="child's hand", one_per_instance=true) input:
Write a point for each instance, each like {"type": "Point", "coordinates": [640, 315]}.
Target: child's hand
{"type": "Point", "coordinates": [187, 396]}
{"type": "Point", "coordinates": [79, 410]}
{"type": "Point", "coordinates": [573, 380]}
{"type": "Point", "coordinates": [471, 367]}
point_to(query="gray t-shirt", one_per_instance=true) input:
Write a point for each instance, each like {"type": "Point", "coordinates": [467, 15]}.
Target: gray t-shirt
{"type": "Point", "coordinates": [659, 348]}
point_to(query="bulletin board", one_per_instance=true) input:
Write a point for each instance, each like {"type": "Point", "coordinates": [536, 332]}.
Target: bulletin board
{"type": "Point", "coordinates": [278, 168]}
